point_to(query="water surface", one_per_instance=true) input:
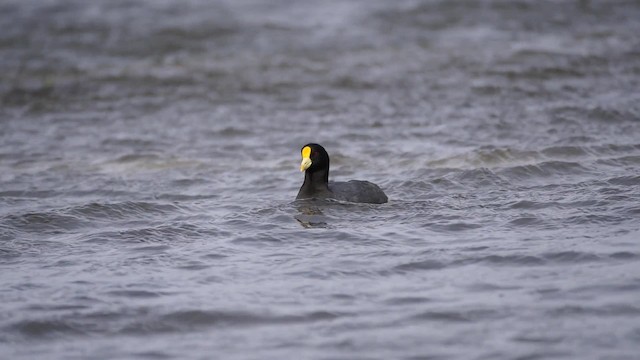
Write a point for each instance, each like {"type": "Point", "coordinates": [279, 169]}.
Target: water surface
{"type": "Point", "coordinates": [148, 166]}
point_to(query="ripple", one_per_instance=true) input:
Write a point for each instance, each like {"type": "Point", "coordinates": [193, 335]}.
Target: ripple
{"type": "Point", "coordinates": [141, 322]}
{"type": "Point", "coordinates": [624, 255]}
{"type": "Point", "coordinates": [193, 319]}
{"type": "Point", "coordinates": [123, 210]}
{"type": "Point", "coordinates": [594, 219]}
{"type": "Point", "coordinates": [465, 316]}
{"type": "Point", "coordinates": [626, 287]}
{"type": "Point", "coordinates": [543, 170]}
{"type": "Point", "coordinates": [628, 180]}
{"type": "Point", "coordinates": [504, 260]}
{"type": "Point", "coordinates": [154, 355]}
{"type": "Point", "coordinates": [458, 226]}
{"type": "Point", "coordinates": [231, 131]}
{"type": "Point", "coordinates": [571, 257]}
{"type": "Point", "coordinates": [257, 240]}
{"type": "Point", "coordinates": [488, 287]}
{"type": "Point", "coordinates": [135, 293]}
{"type": "Point", "coordinates": [566, 152]}
{"type": "Point", "coordinates": [407, 300]}
{"type": "Point", "coordinates": [479, 177]}
{"type": "Point", "coordinates": [538, 339]}
{"type": "Point", "coordinates": [170, 233]}
{"type": "Point", "coordinates": [47, 328]}
{"type": "Point", "coordinates": [537, 205]}
{"type": "Point", "coordinates": [632, 160]}
{"type": "Point", "coordinates": [488, 157]}
{"type": "Point", "coordinates": [194, 266]}
{"type": "Point", "coordinates": [606, 310]}
{"type": "Point", "coordinates": [55, 307]}
{"type": "Point", "coordinates": [528, 204]}
{"type": "Point", "coordinates": [527, 221]}
{"type": "Point", "coordinates": [420, 265]}
{"type": "Point", "coordinates": [50, 222]}
{"type": "Point", "coordinates": [596, 113]}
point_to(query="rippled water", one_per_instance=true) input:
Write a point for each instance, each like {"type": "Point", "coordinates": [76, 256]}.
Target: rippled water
{"type": "Point", "coordinates": [149, 157]}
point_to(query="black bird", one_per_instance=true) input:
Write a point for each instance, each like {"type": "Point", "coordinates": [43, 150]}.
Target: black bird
{"type": "Point", "coordinates": [315, 164]}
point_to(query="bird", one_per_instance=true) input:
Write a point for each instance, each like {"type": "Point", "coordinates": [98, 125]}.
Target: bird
{"type": "Point", "coordinates": [315, 164]}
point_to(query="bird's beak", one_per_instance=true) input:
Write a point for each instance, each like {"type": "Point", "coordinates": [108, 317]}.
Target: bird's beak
{"type": "Point", "coordinates": [304, 165]}
{"type": "Point", "coordinates": [306, 158]}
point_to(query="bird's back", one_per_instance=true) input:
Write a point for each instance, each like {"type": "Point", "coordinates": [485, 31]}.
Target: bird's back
{"type": "Point", "coordinates": [357, 191]}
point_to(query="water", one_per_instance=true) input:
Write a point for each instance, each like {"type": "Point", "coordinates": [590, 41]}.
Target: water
{"type": "Point", "coordinates": [149, 156]}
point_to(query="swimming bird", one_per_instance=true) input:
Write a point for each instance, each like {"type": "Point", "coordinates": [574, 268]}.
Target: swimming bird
{"type": "Point", "coordinates": [315, 164]}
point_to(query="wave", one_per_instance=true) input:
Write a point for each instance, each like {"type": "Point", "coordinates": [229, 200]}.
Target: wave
{"type": "Point", "coordinates": [47, 222]}
{"type": "Point", "coordinates": [169, 233]}
{"type": "Point", "coordinates": [549, 258]}
{"type": "Point", "coordinates": [122, 210]}
{"type": "Point", "coordinates": [140, 322]}
{"type": "Point", "coordinates": [543, 170]}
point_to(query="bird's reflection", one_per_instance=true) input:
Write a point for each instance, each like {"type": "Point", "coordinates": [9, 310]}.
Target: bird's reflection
{"type": "Point", "coordinates": [310, 213]}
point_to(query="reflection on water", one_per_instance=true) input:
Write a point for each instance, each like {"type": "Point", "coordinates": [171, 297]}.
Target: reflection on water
{"type": "Point", "coordinates": [310, 214]}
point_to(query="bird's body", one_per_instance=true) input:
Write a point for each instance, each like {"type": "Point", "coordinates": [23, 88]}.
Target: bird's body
{"type": "Point", "coordinates": [315, 164]}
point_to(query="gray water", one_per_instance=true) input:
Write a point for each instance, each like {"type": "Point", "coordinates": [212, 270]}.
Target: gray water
{"type": "Point", "coordinates": [149, 155]}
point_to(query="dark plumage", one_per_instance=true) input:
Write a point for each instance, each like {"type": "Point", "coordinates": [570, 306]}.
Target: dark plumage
{"type": "Point", "coordinates": [315, 164]}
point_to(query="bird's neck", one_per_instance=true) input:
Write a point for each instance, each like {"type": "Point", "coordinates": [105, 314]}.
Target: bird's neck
{"type": "Point", "coordinates": [315, 182]}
